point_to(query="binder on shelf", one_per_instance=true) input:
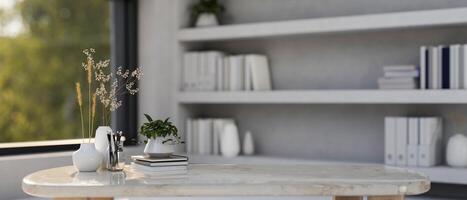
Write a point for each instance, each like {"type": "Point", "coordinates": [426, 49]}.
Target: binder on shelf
{"type": "Point", "coordinates": [423, 68]}
{"type": "Point", "coordinates": [390, 140]}
{"type": "Point", "coordinates": [401, 141]}
{"type": "Point", "coordinates": [261, 76]}
{"type": "Point", "coordinates": [430, 141]}
{"type": "Point", "coordinates": [412, 147]}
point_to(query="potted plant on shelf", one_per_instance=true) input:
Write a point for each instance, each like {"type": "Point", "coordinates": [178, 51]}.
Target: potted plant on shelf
{"type": "Point", "coordinates": [162, 136]}
{"type": "Point", "coordinates": [206, 13]}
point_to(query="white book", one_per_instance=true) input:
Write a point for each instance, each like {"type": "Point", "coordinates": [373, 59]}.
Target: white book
{"type": "Point", "coordinates": [462, 72]}
{"type": "Point", "coordinates": [189, 71]}
{"type": "Point", "coordinates": [399, 68]}
{"type": "Point", "coordinates": [439, 66]}
{"type": "Point", "coordinates": [157, 169]}
{"type": "Point", "coordinates": [220, 72]}
{"type": "Point", "coordinates": [390, 140]}
{"type": "Point", "coordinates": [189, 136]}
{"type": "Point", "coordinates": [202, 137]}
{"type": "Point", "coordinates": [386, 80]}
{"type": "Point", "coordinates": [203, 71]}
{"type": "Point", "coordinates": [412, 147]}
{"type": "Point", "coordinates": [401, 140]}
{"type": "Point", "coordinates": [464, 66]}
{"type": "Point", "coordinates": [454, 66]}
{"type": "Point", "coordinates": [429, 152]}
{"type": "Point", "coordinates": [423, 68]}
{"type": "Point", "coordinates": [236, 65]}
{"type": "Point", "coordinates": [404, 74]}
{"type": "Point", "coordinates": [195, 138]}
{"type": "Point", "coordinates": [397, 86]}
{"type": "Point", "coordinates": [433, 68]}
{"type": "Point", "coordinates": [226, 74]}
{"type": "Point", "coordinates": [248, 79]}
{"type": "Point", "coordinates": [212, 61]}
{"type": "Point", "coordinates": [260, 72]}
{"type": "Point", "coordinates": [205, 139]}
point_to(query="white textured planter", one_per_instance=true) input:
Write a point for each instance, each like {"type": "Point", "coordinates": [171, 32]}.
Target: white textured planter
{"type": "Point", "coordinates": [102, 143]}
{"type": "Point", "coordinates": [456, 151]}
{"type": "Point", "coordinates": [230, 141]}
{"type": "Point", "coordinates": [207, 19]}
{"type": "Point", "coordinates": [87, 158]}
{"type": "Point", "coordinates": [248, 144]}
{"type": "Point", "coordinates": [155, 148]}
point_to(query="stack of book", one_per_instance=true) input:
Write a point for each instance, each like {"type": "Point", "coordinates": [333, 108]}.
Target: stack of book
{"type": "Point", "coordinates": [443, 67]}
{"type": "Point", "coordinates": [214, 71]}
{"type": "Point", "coordinates": [413, 141]}
{"type": "Point", "coordinates": [399, 77]}
{"type": "Point", "coordinates": [173, 165]}
{"type": "Point", "coordinates": [203, 135]}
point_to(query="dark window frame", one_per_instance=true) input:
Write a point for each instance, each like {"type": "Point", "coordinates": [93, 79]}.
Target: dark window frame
{"type": "Point", "coordinates": [123, 34]}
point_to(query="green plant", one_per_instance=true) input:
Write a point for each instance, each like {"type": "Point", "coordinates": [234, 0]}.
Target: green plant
{"type": "Point", "coordinates": [206, 6]}
{"type": "Point", "coordinates": [160, 128]}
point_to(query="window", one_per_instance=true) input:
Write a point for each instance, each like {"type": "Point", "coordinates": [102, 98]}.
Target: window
{"type": "Point", "coordinates": [41, 43]}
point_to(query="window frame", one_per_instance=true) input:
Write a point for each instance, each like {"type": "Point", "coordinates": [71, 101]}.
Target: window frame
{"type": "Point", "coordinates": [123, 45]}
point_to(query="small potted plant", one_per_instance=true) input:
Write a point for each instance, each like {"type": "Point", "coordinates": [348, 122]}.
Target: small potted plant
{"type": "Point", "coordinates": [206, 13]}
{"type": "Point", "coordinates": [162, 136]}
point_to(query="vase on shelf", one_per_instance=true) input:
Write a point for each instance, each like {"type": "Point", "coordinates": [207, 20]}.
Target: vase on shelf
{"type": "Point", "coordinates": [248, 144]}
{"type": "Point", "coordinates": [87, 158]}
{"type": "Point", "coordinates": [230, 142]}
{"type": "Point", "coordinates": [101, 142]}
{"type": "Point", "coordinates": [456, 151]}
{"type": "Point", "coordinates": [156, 148]}
{"type": "Point", "coordinates": [207, 19]}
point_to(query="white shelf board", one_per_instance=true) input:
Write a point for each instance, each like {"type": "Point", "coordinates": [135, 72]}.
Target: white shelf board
{"type": "Point", "coordinates": [326, 97]}
{"type": "Point", "coordinates": [395, 20]}
{"type": "Point", "coordinates": [437, 174]}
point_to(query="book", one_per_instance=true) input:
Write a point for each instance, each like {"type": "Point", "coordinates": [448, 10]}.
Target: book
{"type": "Point", "coordinates": [385, 80]}
{"type": "Point", "coordinates": [162, 164]}
{"type": "Point", "coordinates": [260, 72]}
{"type": "Point", "coordinates": [433, 68]}
{"type": "Point", "coordinates": [397, 86]}
{"type": "Point", "coordinates": [412, 147]}
{"type": "Point", "coordinates": [401, 140]}
{"type": "Point", "coordinates": [400, 68]}
{"type": "Point", "coordinates": [236, 65]}
{"type": "Point", "coordinates": [423, 68]}
{"type": "Point", "coordinates": [454, 66]}
{"type": "Point", "coordinates": [462, 67]}
{"type": "Point", "coordinates": [145, 168]}
{"type": "Point", "coordinates": [390, 140]}
{"type": "Point", "coordinates": [429, 151]}
{"type": "Point", "coordinates": [446, 68]}
{"type": "Point", "coordinates": [412, 73]}
{"type": "Point", "coordinates": [172, 158]}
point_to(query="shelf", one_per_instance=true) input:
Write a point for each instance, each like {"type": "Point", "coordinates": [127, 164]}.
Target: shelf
{"type": "Point", "coordinates": [371, 22]}
{"type": "Point", "coordinates": [438, 174]}
{"type": "Point", "coordinates": [326, 97]}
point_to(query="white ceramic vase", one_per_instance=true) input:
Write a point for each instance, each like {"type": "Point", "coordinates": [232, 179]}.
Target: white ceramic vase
{"type": "Point", "coordinates": [456, 151]}
{"type": "Point", "coordinates": [206, 19]}
{"type": "Point", "coordinates": [230, 142]}
{"type": "Point", "coordinates": [155, 148]}
{"type": "Point", "coordinates": [248, 144]}
{"type": "Point", "coordinates": [87, 158]}
{"type": "Point", "coordinates": [102, 143]}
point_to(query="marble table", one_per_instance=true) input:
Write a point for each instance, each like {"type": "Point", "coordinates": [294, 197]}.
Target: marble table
{"type": "Point", "coordinates": [343, 182]}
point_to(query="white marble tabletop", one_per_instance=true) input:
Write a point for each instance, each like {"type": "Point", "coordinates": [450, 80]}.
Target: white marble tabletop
{"type": "Point", "coordinates": [231, 180]}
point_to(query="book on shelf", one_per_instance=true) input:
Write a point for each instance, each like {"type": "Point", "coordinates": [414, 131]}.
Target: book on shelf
{"type": "Point", "coordinates": [172, 158]}
{"type": "Point", "coordinates": [443, 67]}
{"type": "Point", "coordinates": [399, 77]}
{"type": "Point", "coordinates": [215, 71]}
{"type": "Point", "coordinates": [203, 135]}
{"type": "Point", "coordinates": [412, 141]}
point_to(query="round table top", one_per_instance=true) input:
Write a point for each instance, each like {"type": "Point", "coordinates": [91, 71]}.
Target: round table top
{"type": "Point", "coordinates": [230, 180]}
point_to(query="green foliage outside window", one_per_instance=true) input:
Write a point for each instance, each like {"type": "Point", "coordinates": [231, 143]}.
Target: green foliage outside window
{"type": "Point", "coordinates": [39, 66]}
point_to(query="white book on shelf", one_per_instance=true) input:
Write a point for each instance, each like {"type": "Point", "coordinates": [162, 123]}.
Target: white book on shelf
{"type": "Point", "coordinates": [226, 73]}
{"type": "Point", "coordinates": [236, 64]}
{"type": "Point", "coordinates": [220, 72]}
{"type": "Point", "coordinates": [402, 74]}
{"type": "Point", "coordinates": [429, 152]}
{"type": "Point", "coordinates": [412, 147]}
{"type": "Point", "coordinates": [390, 140]}
{"type": "Point", "coordinates": [195, 138]}
{"type": "Point", "coordinates": [189, 135]}
{"type": "Point", "coordinates": [205, 139]}
{"type": "Point", "coordinates": [400, 68]}
{"type": "Point", "coordinates": [189, 71]}
{"type": "Point", "coordinates": [260, 71]}
{"type": "Point", "coordinates": [212, 60]}
{"type": "Point", "coordinates": [401, 140]}
{"type": "Point", "coordinates": [433, 68]}
{"type": "Point", "coordinates": [423, 58]}
{"type": "Point", "coordinates": [248, 79]}
{"type": "Point", "coordinates": [462, 67]}
{"type": "Point", "coordinates": [405, 80]}
{"type": "Point", "coordinates": [454, 66]}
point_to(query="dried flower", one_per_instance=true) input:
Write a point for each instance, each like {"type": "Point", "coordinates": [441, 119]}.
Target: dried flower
{"type": "Point", "coordinates": [78, 94]}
